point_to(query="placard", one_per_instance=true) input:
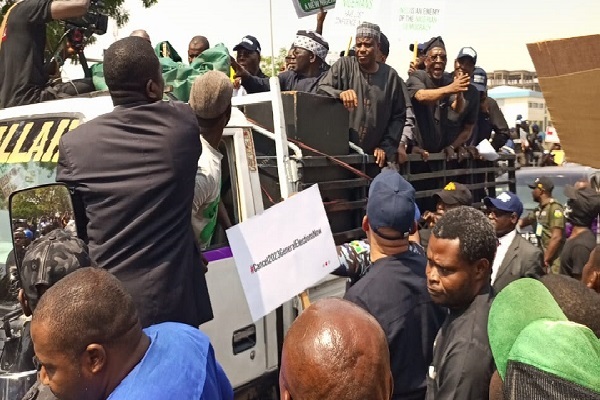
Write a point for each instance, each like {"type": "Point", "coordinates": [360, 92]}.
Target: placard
{"type": "Point", "coordinates": [283, 251]}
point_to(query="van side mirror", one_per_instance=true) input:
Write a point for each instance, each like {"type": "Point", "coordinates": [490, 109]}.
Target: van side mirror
{"type": "Point", "coordinates": [36, 211]}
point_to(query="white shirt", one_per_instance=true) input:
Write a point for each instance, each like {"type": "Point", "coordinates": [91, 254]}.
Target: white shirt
{"type": "Point", "coordinates": [208, 185]}
{"type": "Point", "coordinates": [505, 242]}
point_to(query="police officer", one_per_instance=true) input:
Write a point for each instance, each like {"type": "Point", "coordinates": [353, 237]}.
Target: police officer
{"type": "Point", "coordinates": [549, 222]}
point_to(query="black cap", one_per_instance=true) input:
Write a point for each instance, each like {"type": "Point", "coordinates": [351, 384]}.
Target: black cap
{"type": "Point", "coordinates": [433, 43]}
{"type": "Point", "coordinates": [384, 44]}
{"type": "Point", "coordinates": [249, 43]}
{"type": "Point", "coordinates": [583, 205]}
{"type": "Point", "coordinates": [49, 259]}
{"type": "Point", "coordinates": [455, 194]}
{"type": "Point", "coordinates": [543, 182]}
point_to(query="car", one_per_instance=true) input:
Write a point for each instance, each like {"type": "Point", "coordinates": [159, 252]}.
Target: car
{"type": "Point", "coordinates": [561, 176]}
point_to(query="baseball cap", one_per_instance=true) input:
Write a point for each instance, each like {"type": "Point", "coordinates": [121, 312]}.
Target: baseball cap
{"type": "Point", "coordinates": [543, 182]}
{"type": "Point", "coordinates": [538, 352]}
{"type": "Point", "coordinates": [467, 52]}
{"type": "Point", "coordinates": [391, 204]}
{"type": "Point", "coordinates": [49, 259]}
{"type": "Point", "coordinates": [505, 201]}
{"type": "Point", "coordinates": [211, 94]}
{"type": "Point", "coordinates": [479, 79]}
{"type": "Point", "coordinates": [249, 43]}
{"type": "Point", "coordinates": [583, 205]}
{"type": "Point", "coordinates": [455, 194]}
{"type": "Point", "coordinates": [420, 47]}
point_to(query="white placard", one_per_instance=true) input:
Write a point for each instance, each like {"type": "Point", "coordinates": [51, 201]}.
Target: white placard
{"type": "Point", "coordinates": [283, 251]}
{"type": "Point", "coordinates": [419, 19]}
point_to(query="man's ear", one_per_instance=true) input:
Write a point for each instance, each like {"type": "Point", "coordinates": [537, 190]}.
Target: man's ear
{"type": "Point", "coordinates": [593, 281]}
{"type": "Point", "coordinates": [285, 395]}
{"type": "Point", "coordinates": [24, 303]}
{"type": "Point", "coordinates": [365, 224]}
{"type": "Point", "coordinates": [152, 89]}
{"type": "Point", "coordinates": [482, 268]}
{"type": "Point", "coordinates": [313, 57]}
{"type": "Point", "coordinates": [94, 358]}
{"type": "Point", "coordinates": [414, 228]}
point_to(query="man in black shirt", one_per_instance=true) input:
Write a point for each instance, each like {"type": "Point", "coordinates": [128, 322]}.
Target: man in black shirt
{"type": "Point", "coordinates": [490, 117]}
{"type": "Point", "coordinates": [248, 55]}
{"type": "Point", "coordinates": [459, 263]}
{"type": "Point", "coordinates": [23, 76]}
{"type": "Point", "coordinates": [309, 53]}
{"type": "Point", "coordinates": [462, 115]}
{"type": "Point", "coordinates": [373, 94]}
{"type": "Point", "coordinates": [394, 290]}
{"type": "Point", "coordinates": [582, 207]}
{"type": "Point", "coordinates": [430, 91]}
{"type": "Point", "coordinates": [134, 171]}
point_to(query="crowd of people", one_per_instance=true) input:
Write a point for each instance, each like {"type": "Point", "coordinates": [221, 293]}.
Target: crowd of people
{"type": "Point", "coordinates": [450, 304]}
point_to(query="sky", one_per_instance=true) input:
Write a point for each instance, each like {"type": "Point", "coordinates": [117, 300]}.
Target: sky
{"type": "Point", "coordinates": [498, 31]}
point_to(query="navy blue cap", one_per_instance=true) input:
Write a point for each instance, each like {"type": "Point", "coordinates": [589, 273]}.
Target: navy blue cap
{"type": "Point", "coordinates": [391, 204]}
{"type": "Point", "coordinates": [249, 43]}
{"type": "Point", "coordinates": [420, 47]}
{"type": "Point", "coordinates": [479, 79]}
{"type": "Point", "coordinates": [505, 201]}
{"type": "Point", "coordinates": [467, 52]}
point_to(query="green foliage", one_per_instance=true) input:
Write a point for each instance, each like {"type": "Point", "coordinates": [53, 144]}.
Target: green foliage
{"type": "Point", "coordinates": [266, 62]}
{"type": "Point", "coordinates": [114, 9]}
{"type": "Point", "coordinates": [36, 203]}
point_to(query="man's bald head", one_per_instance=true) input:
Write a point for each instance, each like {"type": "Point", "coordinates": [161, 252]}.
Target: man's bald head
{"type": "Point", "coordinates": [335, 350]}
{"type": "Point", "coordinates": [141, 33]}
{"type": "Point", "coordinates": [197, 46]}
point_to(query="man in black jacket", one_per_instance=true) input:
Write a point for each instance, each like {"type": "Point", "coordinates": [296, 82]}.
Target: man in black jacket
{"type": "Point", "coordinates": [309, 53]}
{"type": "Point", "coordinates": [515, 257]}
{"type": "Point", "coordinates": [373, 93]}
{"type": "Point", "coordinates": [394, 290]}
{"type": "Point", "coordinates": [133, 170]}
{"type": "Point", "coordinates": [24, 77]}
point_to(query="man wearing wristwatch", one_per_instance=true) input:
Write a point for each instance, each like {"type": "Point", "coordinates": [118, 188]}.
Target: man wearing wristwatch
{"type": "Point", "coordinates": [431, 91]}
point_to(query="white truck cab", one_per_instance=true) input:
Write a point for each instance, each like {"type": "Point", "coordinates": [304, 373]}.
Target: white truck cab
{"type": "Point", "coordinates": [247, 350]}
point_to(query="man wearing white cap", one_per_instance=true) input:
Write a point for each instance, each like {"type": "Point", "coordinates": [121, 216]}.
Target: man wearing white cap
{"type": "Point", "coordinates": [309, 50]}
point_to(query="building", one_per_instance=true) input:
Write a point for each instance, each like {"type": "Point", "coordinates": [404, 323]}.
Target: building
{"type": "Point", "coordinates": [521, 79]}
{"type": "Point", "coordinates": [515, 101]}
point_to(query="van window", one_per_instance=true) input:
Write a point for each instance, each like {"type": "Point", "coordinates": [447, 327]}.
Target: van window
{"type": "Point", "coordinates": [28, 156]}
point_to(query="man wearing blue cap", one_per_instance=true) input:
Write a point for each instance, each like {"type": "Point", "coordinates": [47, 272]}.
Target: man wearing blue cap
{"type": "Point", "coordinates": [394, 290]}
{"type": "Point", "coordinates": [490, 117]}
{"type": "Point", "coordinates": [515, 257]}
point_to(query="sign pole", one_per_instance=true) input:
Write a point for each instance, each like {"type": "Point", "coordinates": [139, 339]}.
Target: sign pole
{"type": "Point", "coordinates": [273, 69]}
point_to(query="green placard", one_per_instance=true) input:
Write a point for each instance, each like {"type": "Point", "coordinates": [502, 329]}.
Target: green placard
{"type": "Point", "coordinates": [310, 7]}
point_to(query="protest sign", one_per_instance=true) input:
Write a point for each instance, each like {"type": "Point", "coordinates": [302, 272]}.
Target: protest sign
{"type": "Point", "coordinates": [283, 251]}
{"type": "Point", "coordinates": [421, 19]}
{"type": "Point", "coordinates": [305, 8]}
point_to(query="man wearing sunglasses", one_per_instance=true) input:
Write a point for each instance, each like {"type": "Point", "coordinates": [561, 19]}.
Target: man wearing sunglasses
{"type": "Point", "coordinates": [516, 257]}
{"type": "Point", "coordinates": [430, 91]}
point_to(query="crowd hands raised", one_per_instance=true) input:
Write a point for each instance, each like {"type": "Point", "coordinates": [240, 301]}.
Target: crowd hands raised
{"type": "Point", "coordinates": [443, 313]}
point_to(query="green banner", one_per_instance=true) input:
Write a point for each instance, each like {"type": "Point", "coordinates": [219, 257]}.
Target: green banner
{"type": "Point", "coordinates": [309, 7]}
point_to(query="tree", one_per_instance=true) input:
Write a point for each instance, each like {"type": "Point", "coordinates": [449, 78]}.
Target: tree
{"type": "Point", "coordinates": [265, 63]}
